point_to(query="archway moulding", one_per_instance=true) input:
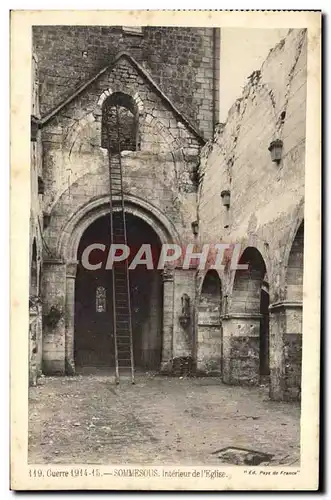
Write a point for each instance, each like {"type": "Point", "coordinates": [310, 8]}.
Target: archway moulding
{"type": "Point", "coordinates": [107, 93]}
{"type": "Point", "coordinates": [298, 219]}
{"type": "Point", "coordinates": [201, 275]}
{"type": "Point", "coordinates": [258, 246]}
{"type": "Point", "coordinates": [70, 237]}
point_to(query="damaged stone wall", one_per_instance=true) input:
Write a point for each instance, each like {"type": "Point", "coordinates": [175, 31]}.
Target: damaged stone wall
{"type": "Point", "coordinates": [181, 61]}
{"type": "Point", "coordinates": [36, 222]}
{"type": "Point", "coordinates": [208, 329]}
{"type": "Point", "coordinates": [266, 198]}
{"type": "Point", "coordinates": [76, 167]}
{"type": "Point", "coordinates": [162, 173]}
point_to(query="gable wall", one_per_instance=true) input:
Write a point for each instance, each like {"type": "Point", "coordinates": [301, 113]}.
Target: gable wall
{"type": "Point", "coordinates": [180, 60]}
{"type": "Point", "coordinates": [75, 167]}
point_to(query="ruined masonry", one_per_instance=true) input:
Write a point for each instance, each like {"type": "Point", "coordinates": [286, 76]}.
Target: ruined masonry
{"type": "Point", "coordinates": [186, 179]}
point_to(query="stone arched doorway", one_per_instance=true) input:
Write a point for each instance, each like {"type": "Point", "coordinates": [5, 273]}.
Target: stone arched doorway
{"type": "Point", "coordinates": [209, 330]}
{"type": "Point", "coordinates": [248, 322]}
{"type": "Point", "coordinates": [59, 357]}
{"type": "Point", "coordinates": [93, 330]}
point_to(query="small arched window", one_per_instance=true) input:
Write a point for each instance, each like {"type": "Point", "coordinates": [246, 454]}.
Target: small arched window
{"type": "Point", "coordinates": [119, 131]}
{"type": "Point", "coordinates": [100, 299]}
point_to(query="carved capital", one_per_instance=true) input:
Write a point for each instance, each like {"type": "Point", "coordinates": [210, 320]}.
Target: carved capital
{"type": "Point", "coordinates": [71, 269]}
{"type": "Point", "coordinates": [167, 274]}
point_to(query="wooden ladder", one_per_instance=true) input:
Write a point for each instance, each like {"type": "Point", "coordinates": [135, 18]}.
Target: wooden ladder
{"type": "Point", "coordinates": [122, 318]}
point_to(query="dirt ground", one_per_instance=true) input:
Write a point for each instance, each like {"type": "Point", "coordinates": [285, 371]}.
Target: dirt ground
{"type": "Point", "coordinates": [159, 420]}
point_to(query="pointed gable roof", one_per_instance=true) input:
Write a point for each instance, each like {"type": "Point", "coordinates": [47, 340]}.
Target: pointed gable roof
{"type": "Point", "coordinates": [125, 55]}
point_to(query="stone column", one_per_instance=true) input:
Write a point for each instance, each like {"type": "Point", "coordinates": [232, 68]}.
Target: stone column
{"type": "Point", "coordinates": [71, 271]}
{"type": "Point", "coordinates": [285, 350]}
{"type": "Point", "coordinates": [168, 320]}
{"type": "Point", "coordinates": [151, 345]}
{"type": "Point", "coordinates": [241, 349]}
{"type": "Point", "coordinates": [33, 375]}
{"type": "Point", "coordinates": [53, 298]}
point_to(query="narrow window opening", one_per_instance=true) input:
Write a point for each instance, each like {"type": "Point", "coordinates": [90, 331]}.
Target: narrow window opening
{"type": "Point", "coordinates": [120, 124]}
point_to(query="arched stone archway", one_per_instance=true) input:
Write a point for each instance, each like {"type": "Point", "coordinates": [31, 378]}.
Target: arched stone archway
{"type": "Point", "coordinates": [294, 274]}
{"type": "Point", "coordinates": [94, 344]}
{"type": "Point", "coordinates": [59, 341]}
{"type": "Point", "coordinates": [293, 318]}
{"type": "Point", "coordinates": [209, 328]}
{"type": "Point", "coordinates": [246, 324]}
{"type": "Point", "coordinates": [286, 322]}
{"type": "Point", "coordinates": [68, 241]}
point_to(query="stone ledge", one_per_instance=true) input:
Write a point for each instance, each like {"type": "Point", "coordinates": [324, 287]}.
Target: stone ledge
{"type": "Point", "coordinates": [241, 316]}
{"type": "Point", "coordinates": [286, 304]}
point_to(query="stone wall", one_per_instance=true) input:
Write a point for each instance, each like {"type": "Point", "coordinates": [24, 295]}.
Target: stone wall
{"type": "Point", "coordinates": [36, 224]}
{"type": "Point", "coordinates": [183, 62]}
{"type": "Point", "coordinates": [160, 178]}
{"type": "Point", "coordinates": [54, 319]}
{"type": "Point", "coordinates": [160, 174]}
{"type": "Point", "coordinates": [208, 328]}
{"type": "Point", "coordinates": [184, 283]}
{"type": "Point", "coordinates": [75, 166]}
{"type": "Point", "coordinates": [266, 198]}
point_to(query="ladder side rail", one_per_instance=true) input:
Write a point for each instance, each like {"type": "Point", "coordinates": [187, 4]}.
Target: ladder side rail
{"type": "Point", "coordinates": [113, 270]}
{"type": "Point", "coordinates": [125, 242]}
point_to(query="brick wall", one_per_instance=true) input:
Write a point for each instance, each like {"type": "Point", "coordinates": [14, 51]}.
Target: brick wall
{"type": "Point", "coordinates": [181, 61]}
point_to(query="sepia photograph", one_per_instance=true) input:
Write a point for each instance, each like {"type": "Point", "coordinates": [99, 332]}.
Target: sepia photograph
{"type": "Point", "coordinates": [166, 223]}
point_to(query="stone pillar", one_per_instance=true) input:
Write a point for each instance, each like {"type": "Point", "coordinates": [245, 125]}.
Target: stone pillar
{"type": "Point", "coordinates": [35, 340]}
{"type": "Point", "coordinates": [151, 329]}
{"type": "Point", "coordinates": [53, 298]}
{"type": "Point", "coordinates": [168, 320]}
{"type": "Point", "coordinates": [33, 375]}
{"type": "Point", "coordinates": [70, 317]}
{"type": "Point", "coordinates": [241, 349]}
{"type": "Point", "coordinates": [285, 350]}
{"type": "Point", "coordinates": [183, 320]}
